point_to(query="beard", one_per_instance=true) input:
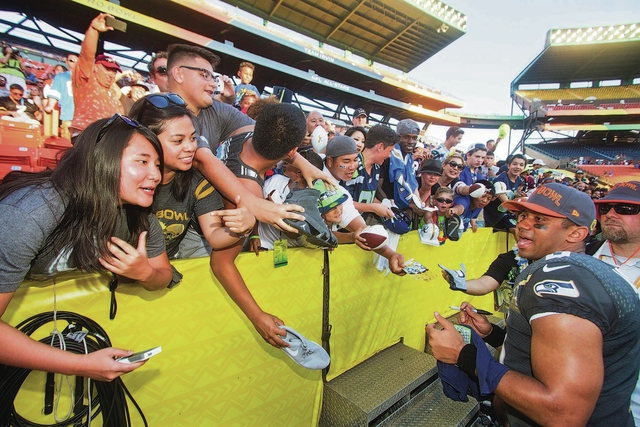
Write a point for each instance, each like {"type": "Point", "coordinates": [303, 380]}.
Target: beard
{"type": "Point", "coordinates": [615, 235]}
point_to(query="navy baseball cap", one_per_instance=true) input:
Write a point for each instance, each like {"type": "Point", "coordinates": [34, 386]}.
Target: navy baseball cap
{"type": "Point", "coordinates": [360, 112]}
{"type": "Point", "coordinates": [559, 201]}
{"type": "Point", "coordinates": [623, 192]}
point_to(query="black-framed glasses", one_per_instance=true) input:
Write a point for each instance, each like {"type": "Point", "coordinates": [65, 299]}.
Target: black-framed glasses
{"type": "Point", "coordinates": [162, 70]}
{"type": "Point", "coordinates": [206, 74]}
{"type": "Point", "coordinates": [160, 101]}
{"type": "Point", "coordinates": [441, 200]}
{"type": "Point", "coordinates": [619, 208]}
{"type": "Point", "coordinates": [112, 120]}
{"type": "Point", "coordinates": [456, 165]}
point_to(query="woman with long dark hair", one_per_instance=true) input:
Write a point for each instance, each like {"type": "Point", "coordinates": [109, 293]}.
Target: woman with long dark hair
{"type": "Point", "coordinates": [185, 198]}
{"type": "Point", "coordinates": [91, 212]}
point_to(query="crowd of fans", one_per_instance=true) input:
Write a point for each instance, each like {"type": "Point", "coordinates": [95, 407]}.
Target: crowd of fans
{"type": "Point", "coordinates": [222, 170]}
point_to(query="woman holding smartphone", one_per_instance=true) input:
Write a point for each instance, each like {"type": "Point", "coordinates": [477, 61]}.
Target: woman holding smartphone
{"type": "Point", "coordinates": [90, 213]}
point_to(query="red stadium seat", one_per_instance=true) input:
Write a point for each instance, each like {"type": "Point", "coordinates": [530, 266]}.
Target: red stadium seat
{"type": "Point", "coordinates": [13, 158]}
{"type": "Point", "coordinates": [57, 143]}
{"type": "Point", "coordinates": [20, 134]}
{"type": "Point", "coordinates": [48, 158]}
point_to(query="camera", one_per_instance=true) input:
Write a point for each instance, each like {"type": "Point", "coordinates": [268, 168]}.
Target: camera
{"type": "Point", "coordinates": [219, 83]}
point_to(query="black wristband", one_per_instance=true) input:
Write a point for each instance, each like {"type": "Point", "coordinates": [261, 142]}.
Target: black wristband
{"type": "Point", "coordinates": [467, 360]}
{"type": "Point", "coordinates": [496, 337]}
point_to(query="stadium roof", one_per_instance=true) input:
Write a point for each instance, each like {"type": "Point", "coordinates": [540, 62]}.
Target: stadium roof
{"type": "Point", "coordinates": [585, 54]}
{"type": "Point", "coordinates": [398, 33]}
{"type": "Point", "coordinates": [281, 63]}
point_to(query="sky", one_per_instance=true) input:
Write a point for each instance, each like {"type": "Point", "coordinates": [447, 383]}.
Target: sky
{"type": "Point", "coordinates": [503, 37]}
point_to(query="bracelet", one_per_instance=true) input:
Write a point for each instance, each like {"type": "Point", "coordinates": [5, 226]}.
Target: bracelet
{"type": "Point", "coordinates": [467, 360]}
{"type": "Point", "coordinates": [496, 337]}
{"type": "Point", "coordinates": [242, 236]}
{"type": "Point", "coordinates": [254, 237]}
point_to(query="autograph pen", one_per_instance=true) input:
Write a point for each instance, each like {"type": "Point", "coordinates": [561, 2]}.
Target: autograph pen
{"type": "Point", "coordinates": [475, 310]}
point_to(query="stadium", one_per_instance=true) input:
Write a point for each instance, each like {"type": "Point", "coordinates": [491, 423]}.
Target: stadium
{"type": "Point", "coordinates": [334, 57]}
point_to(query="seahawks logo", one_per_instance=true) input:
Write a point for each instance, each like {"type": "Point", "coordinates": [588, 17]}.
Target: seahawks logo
{"type": "Point", "coordinates": [556, 287]}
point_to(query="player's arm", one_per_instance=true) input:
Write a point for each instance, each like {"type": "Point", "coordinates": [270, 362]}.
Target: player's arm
{"type": "Point", "coordinates": [566, 358]}
{"type": "Point", "coordinates": [226, 182]}
{"type": "Point", "coordinates": [225, 270]}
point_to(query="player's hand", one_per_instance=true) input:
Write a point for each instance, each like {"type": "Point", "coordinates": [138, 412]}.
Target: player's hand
{"type": "Point", "coordinates": [477, 321]}
{"type": "Point", "coordinates": [238, 220]}
{"type": "Point", "coordinates": [446, 343]}
{"type": "Point", "coordinates": [128, 261]}
{"type": "Point", "coordinates": [101, 366]}
{"type": "Point", "coordinates": [268, 326]}
{"type": "Point", "coordinates": [268, 212]}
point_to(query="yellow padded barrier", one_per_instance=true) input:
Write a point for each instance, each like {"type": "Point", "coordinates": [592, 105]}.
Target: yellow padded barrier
{"type": "Point", "coordinates": [215, 370]}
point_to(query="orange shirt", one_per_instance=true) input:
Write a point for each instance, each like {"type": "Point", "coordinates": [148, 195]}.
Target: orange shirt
{"type": "Point", "coordinates": [92, 101]}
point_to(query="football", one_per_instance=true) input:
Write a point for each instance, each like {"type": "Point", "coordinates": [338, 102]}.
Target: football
{"type": "Point", "coordinates": [375, 236]}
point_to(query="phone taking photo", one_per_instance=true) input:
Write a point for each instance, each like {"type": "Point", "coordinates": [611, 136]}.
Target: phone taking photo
{"type": "Point", "coordinates": [116, 24]}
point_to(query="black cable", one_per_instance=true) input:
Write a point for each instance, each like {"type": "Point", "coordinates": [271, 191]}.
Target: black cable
{"type": "Point", "coordinates": [109, 398]}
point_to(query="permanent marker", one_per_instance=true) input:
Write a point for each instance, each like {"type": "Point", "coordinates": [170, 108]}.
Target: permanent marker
{"type": "Point", "coordinates": [475, 310]}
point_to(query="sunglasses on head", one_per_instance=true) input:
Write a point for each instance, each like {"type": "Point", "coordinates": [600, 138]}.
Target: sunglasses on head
{"type": "Point", "coordinates": [455, 165]}
{"type": "Point", "coordinates": [441, 200]}
{"type": "Point", "coordinates": [162, 70]}
{"type": "Point", "coordinates": [112, 120]}
{"type": "Point", "coordinates": [619, 208]}
{"type": "Point", "coordinates": [160, 101]}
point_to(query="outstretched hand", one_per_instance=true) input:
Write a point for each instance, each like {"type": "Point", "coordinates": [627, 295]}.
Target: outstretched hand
{"type": "Point", "coordinates": [101, 365]}
{"type": "Point", "coordinates": [238, 220]}
{"type": "Point", "coordinates": [268, 326]}
{"type": "Point", "coordinates": [99, 23]}
{"type": "Point", "coordinates": [268, 212]}
{"type": "Point", "coordinates": [447, 343]}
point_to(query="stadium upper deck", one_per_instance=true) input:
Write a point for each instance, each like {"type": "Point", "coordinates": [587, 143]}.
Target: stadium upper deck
{"type": "Point", "coordinates": [315, 72]}
{"type": "Point", "coordinates": [583, 79]}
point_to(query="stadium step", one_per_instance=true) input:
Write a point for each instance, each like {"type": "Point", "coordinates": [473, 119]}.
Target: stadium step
{"type": "Point", "coordinates": [395, 385]}
{"type": "Point", "coordinates": [430, 407]}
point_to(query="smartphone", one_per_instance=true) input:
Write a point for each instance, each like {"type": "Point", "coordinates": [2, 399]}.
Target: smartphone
{"type": "Point", "coordinates": [117, 24]}
{"type": "Point", "coordinates": [465, 331]}
{"type": "Point", "coordinates": [219, 83]}
{"type": "Point", "coordinates": [140, 355]}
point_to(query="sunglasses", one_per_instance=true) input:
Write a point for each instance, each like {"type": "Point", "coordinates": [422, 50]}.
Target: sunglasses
{"type": "Point", "coordinates": [455, 165]}
{"type": "Point", "coordinates": [206, 74]}
{"type": "Point", "coordinates": [621, 209]}
{"type": "Point", "coordinates": [441, 200]}
{"type": "Point", "coordinates": [160, 101]}
{"type": "Point", "coordinates": [162, 70]}
{"type": "Point", "coordinates": [112, 120]}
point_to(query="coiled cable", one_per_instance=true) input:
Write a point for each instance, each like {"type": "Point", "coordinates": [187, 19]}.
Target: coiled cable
{"type": "Point", "coordinates": [82, 335]}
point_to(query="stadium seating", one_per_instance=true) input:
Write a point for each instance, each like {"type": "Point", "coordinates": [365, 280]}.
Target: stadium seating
{"type": "Point", "coordinates": [57, 143]}
{"type": "Point", "coordinates": [20, 134]}
{"type": "Point", "coordinates": [16, 158]}
{"type": "Point", "coordinates": [573, 95]}
{"type": "Point", "coordinates": [47, 157]}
